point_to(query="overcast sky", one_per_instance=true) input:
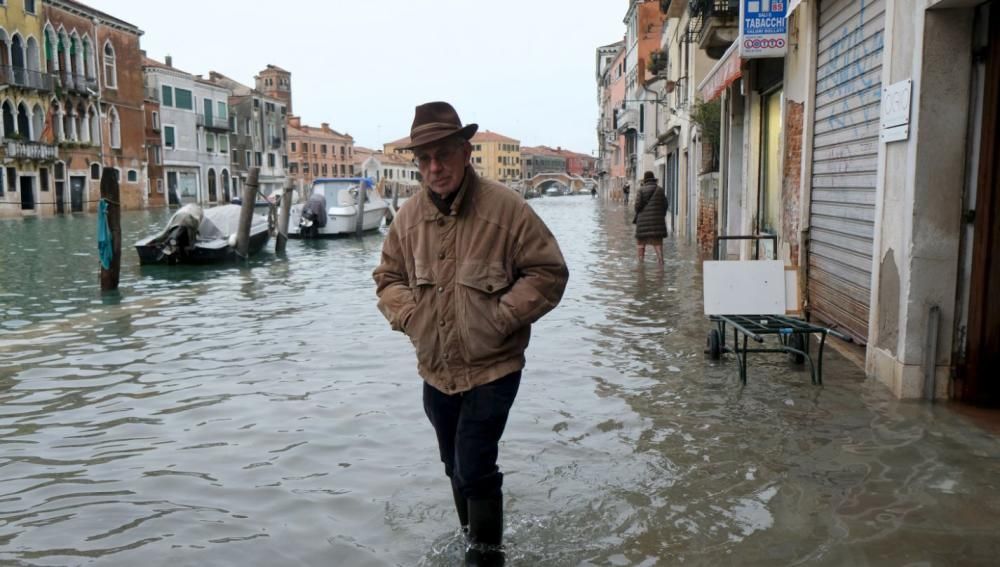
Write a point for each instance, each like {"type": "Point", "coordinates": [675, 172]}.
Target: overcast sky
{"type": "Point", "coordinates": [522, 68]}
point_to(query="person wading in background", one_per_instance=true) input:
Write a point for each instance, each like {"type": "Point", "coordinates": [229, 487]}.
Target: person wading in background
{"type": "Point", "coordinates": [466, 268]}
{"type": "Point", "coordinates": [650, 217]}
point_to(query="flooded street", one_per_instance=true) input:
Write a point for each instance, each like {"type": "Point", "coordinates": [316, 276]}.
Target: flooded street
{"type": "Point", "coordinates": [267, 415]}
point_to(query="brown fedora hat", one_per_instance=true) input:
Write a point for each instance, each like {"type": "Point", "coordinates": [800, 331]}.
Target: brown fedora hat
{"type": "Point", "coordinates": [435, 121]}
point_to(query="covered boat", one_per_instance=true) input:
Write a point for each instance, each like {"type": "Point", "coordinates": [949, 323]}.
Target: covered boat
{"type": "Point", "coordinates": [199, 236]}
{"type": "Point", "coordinates": [337, 197]}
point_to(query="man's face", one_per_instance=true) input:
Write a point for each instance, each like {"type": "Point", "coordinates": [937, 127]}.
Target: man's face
{"type": "Point", "coordinates": [442, 165]}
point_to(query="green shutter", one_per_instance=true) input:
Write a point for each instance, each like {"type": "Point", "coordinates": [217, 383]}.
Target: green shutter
{"type": "Point", "coordinates": [184, 99]}
{"type": "Point", "coordinates": [168, 96]}
{"type": "Point", "coordinates": [168, 136]}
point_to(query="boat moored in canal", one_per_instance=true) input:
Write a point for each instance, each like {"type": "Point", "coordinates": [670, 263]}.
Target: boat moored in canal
{"type": "Point", "coordinates": [338, 197]}
{"type": "Point", "coordinates": [194, 235]}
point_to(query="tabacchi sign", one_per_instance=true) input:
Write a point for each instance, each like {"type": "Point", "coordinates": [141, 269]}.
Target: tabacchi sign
{"type": "Point", "coordinates": [763, 28]}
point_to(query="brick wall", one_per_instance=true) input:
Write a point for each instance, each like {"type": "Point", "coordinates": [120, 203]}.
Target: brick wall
{"type": "Point", "coordinates": [708, 186]}
{"type": "Point", "coordinates": [791, 186]}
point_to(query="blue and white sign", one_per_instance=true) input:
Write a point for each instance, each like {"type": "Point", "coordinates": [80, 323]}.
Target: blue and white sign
{"type": "Point", "coordinates": [763, 28]}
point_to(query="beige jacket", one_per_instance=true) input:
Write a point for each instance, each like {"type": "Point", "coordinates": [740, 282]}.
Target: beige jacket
{"type": "Point", "coordinates": [465, 288]}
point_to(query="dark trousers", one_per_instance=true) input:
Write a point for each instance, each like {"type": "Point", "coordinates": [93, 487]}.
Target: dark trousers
{"type": "Point", "coordinates": [468, 428]}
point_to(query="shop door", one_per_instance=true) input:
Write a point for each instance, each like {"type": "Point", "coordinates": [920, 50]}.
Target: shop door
{"type": "Point", "coordinates": [77, 184]}
{"type": "Point", "coordinates": [979, 377]}
{"type": "Point", "coordinates": [844, 168]}
{"type": "Point", "coordinates": [27, 193]}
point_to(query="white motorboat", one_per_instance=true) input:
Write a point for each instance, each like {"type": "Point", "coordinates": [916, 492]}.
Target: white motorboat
{"type": "Point", "coordinates": [337, 197]}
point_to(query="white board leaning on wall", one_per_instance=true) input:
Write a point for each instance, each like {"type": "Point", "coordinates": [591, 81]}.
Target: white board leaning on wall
{"type": "Point", "coordinates": [749, 287]}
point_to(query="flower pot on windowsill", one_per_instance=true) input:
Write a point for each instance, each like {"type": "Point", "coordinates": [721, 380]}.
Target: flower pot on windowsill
{"type": "Point", "coordinates": [669, 86]}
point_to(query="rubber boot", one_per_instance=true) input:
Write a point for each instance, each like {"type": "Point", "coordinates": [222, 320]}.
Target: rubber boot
{"type": "Point", "coordinates": [485, 533]}
{"type": "Point", "coordinates": [462, 507]}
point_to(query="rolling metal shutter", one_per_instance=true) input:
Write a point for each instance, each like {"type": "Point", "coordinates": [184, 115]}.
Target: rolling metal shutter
{"type": "Point", "coordinates": [844, 167]}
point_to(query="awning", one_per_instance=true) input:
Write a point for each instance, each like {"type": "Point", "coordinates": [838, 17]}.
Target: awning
{"type": "Point", "coordinates": [727, 70]}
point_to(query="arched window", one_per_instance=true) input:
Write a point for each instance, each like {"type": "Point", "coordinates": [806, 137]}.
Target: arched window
{"type": "Point", "coordinates": [95, 171]}
{"type": "Point", "coordinates": [76, 54]}
{"type": "Point", "coordinates": [110, 67]}
{"type": "Point", "coordinates": [83, 123]}
{"type": "Point", "coordinates": [62, 55]}
{"type": "Point", "coordinates": [212, 193]}
{"type": "Point", "coordinates": [80, 124]}
{"type": "Point", "coordinates": [225, 186]}
{"type": "Point", "coordinates": [37, 122]}
{"type": "Point", "coordinates": [88, 59]}
{"type": "Point", "coordinates": [94, 125]}
{"type": "Point", "coordinates": [115, 126]}
{"type": "Point", "coordinates": [17, 60]}
{"type": "Point", "coordinates": [69, 133]}
{"type": "Point", "coordinates": [50, 42]}
{"type": "Point", "coordinates": [33, 62]}
{"type": "Point", "coordinates": [23, 122]}
{"type": "Point", "coordinates": [9, 126]}
{"type": "Point", "coordinates": [57, 123]}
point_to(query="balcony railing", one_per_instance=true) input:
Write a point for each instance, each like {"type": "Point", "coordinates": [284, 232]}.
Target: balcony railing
{"type": "Point", "coordinates": [714, 25]}
{"type": "Point", "coordinates": [276, 143]}
{"type": "Point", "coordinates": [21, 77]}
{"type": "Point", "coordinates": [213, 122]}
{"type": "Point", "coordinates": [31, 150]}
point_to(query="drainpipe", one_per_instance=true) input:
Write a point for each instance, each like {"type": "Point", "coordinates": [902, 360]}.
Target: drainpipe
{"type": "Point", "coordinates": [100, 90]}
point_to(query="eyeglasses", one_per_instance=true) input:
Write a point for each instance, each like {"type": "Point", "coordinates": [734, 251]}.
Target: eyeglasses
{"type": "Point", "coordinates": [441, 156]}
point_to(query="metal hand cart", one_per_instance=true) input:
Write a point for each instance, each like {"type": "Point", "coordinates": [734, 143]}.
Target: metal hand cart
{"type": "Point", "coordinates": [793, 334]}
{"type": "Point", "coordinates": [793, 339]}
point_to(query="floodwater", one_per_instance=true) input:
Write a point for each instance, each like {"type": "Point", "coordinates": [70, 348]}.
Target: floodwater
{"type": "Point", "coordinates": [266, 415]}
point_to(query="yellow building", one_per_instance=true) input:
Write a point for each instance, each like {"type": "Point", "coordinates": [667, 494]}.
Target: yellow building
{"type": "Point", "coordinates": [390, 148]}
{"type": "Point", "coordinates": [496, 157]}
{"type": "Point", "coordinates": [28, 151]}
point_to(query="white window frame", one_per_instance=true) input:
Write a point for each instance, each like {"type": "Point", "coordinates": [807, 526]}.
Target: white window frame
{"type": "Point", "coordinates": [111, 84]}
{"type": "Point", "coordinates": [163, 137]}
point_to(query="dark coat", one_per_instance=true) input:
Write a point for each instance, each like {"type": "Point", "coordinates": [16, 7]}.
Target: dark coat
{"type": "Point", "coordinates": [650, 213]}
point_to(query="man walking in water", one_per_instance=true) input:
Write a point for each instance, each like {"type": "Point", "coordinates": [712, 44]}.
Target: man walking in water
{"type": "Point", "coordinates": [466, 268]}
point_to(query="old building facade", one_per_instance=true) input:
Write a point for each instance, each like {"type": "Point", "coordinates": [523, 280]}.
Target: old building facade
{"type": "Point", "coordinates": [194, 122]}
{"type": "Point", "coordinates": [258, 125]}
{"type": "Point", "coordinates": [72, 106]}
{"type": "Point", "coordinates": [540, 159]}
{"type": "Point", "coordinates": [28, 151]}
{"type": "Point", "coordinates": [318, 152]}
{"type": "Point", "coordinates": [496, 156]}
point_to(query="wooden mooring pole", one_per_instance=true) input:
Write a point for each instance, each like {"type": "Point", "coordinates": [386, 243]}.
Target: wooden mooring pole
{"type": "Point", "coordinates": [360, 203]}
{"type": "Point", "coordinates": [246, 213]}
{"type": "Point", "coordinates": [286, 207]}
{"type": "Point", "coordinates": [111, 199]}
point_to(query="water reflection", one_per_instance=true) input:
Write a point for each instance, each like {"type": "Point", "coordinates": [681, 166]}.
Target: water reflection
{"type": "Point", "coordinates": [263, 413]}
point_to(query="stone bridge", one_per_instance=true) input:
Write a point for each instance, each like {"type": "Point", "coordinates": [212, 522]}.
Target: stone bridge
{"type": "Point", "coordinates": [541, 181]}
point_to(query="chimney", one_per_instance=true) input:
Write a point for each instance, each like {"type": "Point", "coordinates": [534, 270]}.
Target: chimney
{"type": "Point", "coordinates": [294, 121]}
{"type": "Point", "coordinates": [326, 126]}
{"type": "Point", "coordinates": [168, 61]}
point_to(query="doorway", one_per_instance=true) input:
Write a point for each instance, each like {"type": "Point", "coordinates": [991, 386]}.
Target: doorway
{"type": "Point", "coordinates": [77, 185]}
{"type": "Point", "coordinates": [27, 193]}
{"type": "Point", "coordinates": [978, 382]}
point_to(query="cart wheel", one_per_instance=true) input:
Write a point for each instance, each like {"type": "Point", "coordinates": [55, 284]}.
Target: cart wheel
{"type": "Point", "coordinates": [714, 344]}
{"type": "Point", "coordinates": [797, 341]}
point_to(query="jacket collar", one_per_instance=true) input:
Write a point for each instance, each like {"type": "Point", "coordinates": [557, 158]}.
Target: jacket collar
{"type": "Point", "coordinates": [469, 183]}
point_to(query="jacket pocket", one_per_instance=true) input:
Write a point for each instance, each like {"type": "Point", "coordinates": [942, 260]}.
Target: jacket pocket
{"type": "Point", "coordinates": [483, 329]}
{"type": "Point", "coordinates": [417, 328]}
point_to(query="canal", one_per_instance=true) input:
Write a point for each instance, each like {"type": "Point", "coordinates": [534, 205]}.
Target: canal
{"type": "Point", "coordinates": [266, 415]}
